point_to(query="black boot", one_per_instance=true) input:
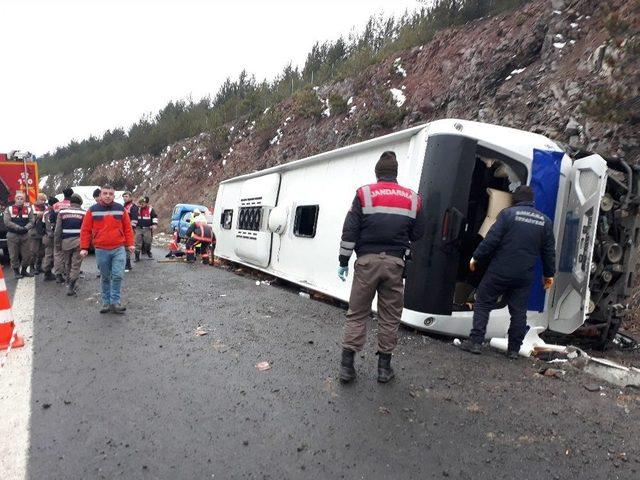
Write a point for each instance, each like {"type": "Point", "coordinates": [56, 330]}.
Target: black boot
{"type": "Point", "coordinates": [48, 276]}
{"type": "Point", "coordinates": [59, 278]}
{"type": "Point", "coordinates": [137, 257]}
{"type": "Point", "coordinates": [471, 346]}
{"type": "Point", "coordinates": [17, 274]}
{"type": "Point", "coordinates": [71, 288]}
{"type": "Point", "coordinates": [347, 370]}
{"type": "Point", "coordinates": [128, 265]}
{"type": "Point", "coordinates": [149, 254]}
{"type": "Point", "coordinates": [385, 372]}
{"type": "Point", "coordinates": [36, 270]}
{"type": "Point", "coordinates": [25, 273]}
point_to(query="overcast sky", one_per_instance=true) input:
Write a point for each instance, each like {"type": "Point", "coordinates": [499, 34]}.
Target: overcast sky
{"type": "Point", "coordinates": [72, 68]}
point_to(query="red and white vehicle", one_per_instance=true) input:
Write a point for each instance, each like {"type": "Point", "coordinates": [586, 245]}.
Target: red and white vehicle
{"type": "Point", "coordinates": [18, 172]}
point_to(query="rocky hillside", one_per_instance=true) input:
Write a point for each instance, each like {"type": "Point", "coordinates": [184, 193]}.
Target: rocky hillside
{"type": "Point", "coordinates": [566, 69]}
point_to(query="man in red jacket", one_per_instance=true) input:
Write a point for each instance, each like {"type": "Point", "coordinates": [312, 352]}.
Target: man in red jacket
{"type": "Point", "coordinates": [108, 226]}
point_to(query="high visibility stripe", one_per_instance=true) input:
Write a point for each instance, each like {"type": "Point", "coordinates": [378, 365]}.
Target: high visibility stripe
{"type": "Point", "coordinates": [6, 316]}
{"type": "Point", "coordinates": [155, 220]}
{"type": "Point", "coordinates": [5, 304]}
{"type": "Point", "coordinates": [74, 211]}
{"type": "Point", "coordinates": [345, 252]}
{"type": "Point", "coordinates": [366, 190]}
{"type": "Point", "coordinates": [3, 285]}
{"type": "Point", "coordinates": [70, 230]}
{"type": "Point", "coordinates": [414, 204]}
{"type": "Point", "coordinates": [350, 245]}
{"type": "Point", "coordinates": [392, 210]}
{"type": "Point", "coordinates": [117, 213]}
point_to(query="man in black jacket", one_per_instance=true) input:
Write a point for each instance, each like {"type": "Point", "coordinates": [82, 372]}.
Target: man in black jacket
{"type": "Point", "coordinates": [383, 221]}
{"type": "Point", "coordinates": [520, 235]}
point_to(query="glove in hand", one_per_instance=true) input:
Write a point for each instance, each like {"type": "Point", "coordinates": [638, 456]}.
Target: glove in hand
{"type": "Point", "coordinates": [343, 272]}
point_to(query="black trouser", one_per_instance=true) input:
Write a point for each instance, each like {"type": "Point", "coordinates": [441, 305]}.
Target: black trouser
{"type": "Point", "coordinates": [515, 292]}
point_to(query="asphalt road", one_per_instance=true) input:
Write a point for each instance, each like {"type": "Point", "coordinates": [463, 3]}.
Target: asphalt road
{"type": "Point", "coordinates": [141, 396]}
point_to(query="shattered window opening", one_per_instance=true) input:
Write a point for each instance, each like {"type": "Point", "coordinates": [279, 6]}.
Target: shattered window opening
{"type": "Point", "coordinates": [306, 220]}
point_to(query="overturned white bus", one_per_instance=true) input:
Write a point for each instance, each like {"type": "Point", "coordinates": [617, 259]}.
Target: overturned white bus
{"type": "Point", "coordinates": [287, 221]}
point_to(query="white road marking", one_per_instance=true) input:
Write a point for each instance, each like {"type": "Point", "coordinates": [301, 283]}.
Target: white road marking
{"type": "Point", "coordinates": [15, 388]}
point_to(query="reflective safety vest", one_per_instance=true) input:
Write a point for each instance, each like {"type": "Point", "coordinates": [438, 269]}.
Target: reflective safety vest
{"type": "Point", "coordinates": [19, 215]}
{"type": "Point", "coordinates": [384, 217]}
{"type": "Point", "coordinates": [203, 233]}
{"type": "Point", "coordinates": [38, 208]}
{"type": "Point", "coordinates": [147, 217]}
{"type": "Point", "coordinates": [71, 219]}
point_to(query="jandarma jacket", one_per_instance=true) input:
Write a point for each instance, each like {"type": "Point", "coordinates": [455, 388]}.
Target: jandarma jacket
{"type": "Point", "coordinates": [67, 228]}
{"type": "Point", "coordinates": [147, 217]}
{"type": "Point", "coordinates": [384, 217]}
{"type": "Point", "coordinates": [107, 226]}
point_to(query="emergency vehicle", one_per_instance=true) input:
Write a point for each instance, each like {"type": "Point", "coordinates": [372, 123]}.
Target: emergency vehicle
{"type": "Point", "coordinates": [18, 172]}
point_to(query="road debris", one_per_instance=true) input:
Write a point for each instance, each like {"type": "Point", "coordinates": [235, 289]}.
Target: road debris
{"type": "Point", "coordinates": [330, 387]}
{"type": "Point", "coordinates": [384, 410]}
{"type": "Point", "coordinates": [200, 331]}
{"type": "Point", "coordinates": [473, 407]}
{"type": "Point", "coordinates": [262, 366]}
{"type": "Point", "coordinates": [219, 347]}
{"type": "Point", "coordinates": [415, 392]}
{"type": "Point", "coordinates": [552, 372]}
{"type": "Point", "coordinates": [591, 387]}
{"type": "Point", "coordinates": [304, 294]}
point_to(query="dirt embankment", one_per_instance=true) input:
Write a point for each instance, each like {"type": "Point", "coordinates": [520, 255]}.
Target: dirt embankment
{"type": "Point", "coordinates": [567, 69]}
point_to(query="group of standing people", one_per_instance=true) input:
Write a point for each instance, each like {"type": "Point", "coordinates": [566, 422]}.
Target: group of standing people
{"type": "Point", "coordinates": [43, 237]}
{"type": "Point", "coordinates": [53, 237]}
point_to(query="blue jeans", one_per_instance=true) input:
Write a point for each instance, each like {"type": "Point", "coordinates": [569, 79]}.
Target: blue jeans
{"type": "Point", "coordinates": [111, 266]}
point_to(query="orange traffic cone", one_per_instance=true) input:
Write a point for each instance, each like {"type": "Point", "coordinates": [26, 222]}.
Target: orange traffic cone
{"type": "Point", "coordinates": [173, 245]}
{"type": "Point", "coordinates": [9, 337]}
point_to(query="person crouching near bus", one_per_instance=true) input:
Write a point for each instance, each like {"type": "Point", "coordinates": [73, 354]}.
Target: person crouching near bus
{"type": "Point", "coordinates": [200, 233]}
{"type": "Point", "coordinates": [18, 219]}
{"type": "Point", "coordinates": [67, 240]}
{"type": "Point", "coordinates": [107, 225]}
{"type": "Point", "coordinates": [48, 265]}
{"type": "Point", "coordinates": [384, 219]}
{"type": "Point", "coordinates": [145, 226]}
{"type": "Point", "coordinates": [519, 237]}
{"type": "Point", "coordinates": [37, 233]}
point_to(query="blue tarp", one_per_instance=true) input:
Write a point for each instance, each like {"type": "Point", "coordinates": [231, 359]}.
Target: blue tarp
{"type": "Point", "coordinates": [545, 179]}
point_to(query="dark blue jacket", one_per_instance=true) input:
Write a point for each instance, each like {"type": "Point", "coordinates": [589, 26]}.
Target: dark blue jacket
{"type": "Point", "coordinates": [513, 244]}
